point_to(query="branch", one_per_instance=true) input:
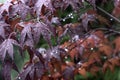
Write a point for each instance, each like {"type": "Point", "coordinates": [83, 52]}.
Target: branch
{"type": "Point", "coordinates": [116, 19]}
{"type": "Point", "coordinates": [108, 14]}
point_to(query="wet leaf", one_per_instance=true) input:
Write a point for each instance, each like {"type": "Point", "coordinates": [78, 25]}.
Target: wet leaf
{"type": "Point", "coordinates": [117, 44]}
{"type": "Point", "coordinates": [7, 48]}
{"type": "Point", "coordinates": [94, 57]}
{"type": "Point", "coordinates": [86, 18]}
{"type": "Point", "coordinates": [74, 3]}
{"type": "Point", "coordinates": [106, 49]}
{"type": "Point", "coordinates": [26, 37]}
{"type": "Point", "coordinates": [40, 3]}
{"type": "Point", "coordinates": [68, 73]}
{"type": "Point", "coordinates": [6, 70]}
{"type": "Point", "coordinates": [20, 9]}
{"type": "Point", "coordinates": [3, 26]}
{"type": "Point", "coordinates": [94, 70]}
{"type": "Point", "coordinates": [82, 71]}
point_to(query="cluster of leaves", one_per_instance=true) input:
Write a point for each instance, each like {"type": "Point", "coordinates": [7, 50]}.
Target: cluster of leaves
{"type": "Point", "coordinates": [87, 49]}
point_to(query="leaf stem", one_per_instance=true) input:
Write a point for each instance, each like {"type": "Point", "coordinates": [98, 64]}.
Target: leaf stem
{"type": "Point", "coordinates": [11, 34]}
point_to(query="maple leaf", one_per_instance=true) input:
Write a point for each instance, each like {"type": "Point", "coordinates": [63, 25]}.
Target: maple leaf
{"type": "Point", "coordinates": [7, 66]}
{"type": "Point", "coordinates": [116, 10]}
{"type": "Point", "coordinates": [5, 8]}
{"type": "Point", "coordinates": [56, 75]}
{"type": "Point", "coordinates": [106, 49]}
{"type": "Point", "coordinates": [74, 3]}
{"type": "Point", "coordinates": [32, 71]}
{"type": "Point", "coordinates": [3, 25]}
{"type": "Point", "coordinates": [43, 29]}
{"type": "Point", "coordinates": [39, 4]}
{"type": "Point", "coordinates": [94, 57]}
{"type": "Point", "coordinates": [108, 65]}
{"type": "Point", "coordinates": [31, 32]}
{"type": "Point", "coordinates": [57, 4]}
{"type": "Point", "coordinates": [115, 61]}
{"type": "Point", "coordinates": [56, 65]}
{"type": "Point", "coordinates": [29, 3]}
{"type": "Point", "coordinates": [20, 9]}
{"type": "Point", "coordinates": [55, 52]}
{"type": "Point", "coordinates": [39, 55]}
{"type": "Point", "coordinates": [117, 45]}
{"type": "Point", "coordinates": [6, 70]}
{"type": "Point", "coordinates": [101, 36]}
{"type": "Point", "coordinates": [75, 31]}
{"type": "Point", "coordinates": [68, 73]}
{"type": "Point", "coordinates": [26, 37]}
{"type": "Point", "coordinates": [25, 72]}
{"type": "Point", "coordinates": [92, 2]}
{"type": "Point", "coordinates": [7, 48]}
{"type": "Point", "coordinates": [86, 18]}
{"type": "Point", "coordinates": [82, 71]}
{"type": "Point", "coordinates": [74, 53]}
{"type": "Point", "coordinates": [94, 69]}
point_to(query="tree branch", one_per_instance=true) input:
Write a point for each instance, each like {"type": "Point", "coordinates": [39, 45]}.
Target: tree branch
{"type": "Point", "coordinates": [116, 19]}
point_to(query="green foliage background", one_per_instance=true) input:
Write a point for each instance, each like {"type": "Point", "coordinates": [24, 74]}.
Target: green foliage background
{"type": "Point", "coordinates": [1, 1]}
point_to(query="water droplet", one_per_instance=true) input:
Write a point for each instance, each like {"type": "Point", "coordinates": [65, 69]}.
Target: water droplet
{"type": "Point", "coordinates": [52, 53]}
{"type": "Point", "coordinates": [55, 70]}
{"type": "Point", "coordinates": [66, 62]}
{"type": "Point", "coordinates": [63, 20]}
{"type": "Point", "coordinates": [49, 75]}
{"type": "Point", "coordinates": [111, 19]}
{"type": "Point", "coordinates": [66, 49]}
{"type": "Point", "coordinates": [79, 63]}
{"type": "Point", "coordinates": [82, 0]}
{"type": "Point", "coordinates": [69, 15]}
{"type": "Point", "coordinates": [79, 69]}
{"type": "Point", "coordinates": [72, 17]}
{"type": "Point", "coordinates": [105, 57]}
{"type": "Point", "coordinates": [91, 49]}
{"type": "Point", "coordinates": [66, 57]}
{"type": "Point", "coordinates": [19, 78]}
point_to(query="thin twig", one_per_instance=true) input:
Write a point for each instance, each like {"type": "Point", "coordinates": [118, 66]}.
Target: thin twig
{"type": "Point", "coordinates": [116, 19]}
{"type": "Point", "coordinates": [108, 14]}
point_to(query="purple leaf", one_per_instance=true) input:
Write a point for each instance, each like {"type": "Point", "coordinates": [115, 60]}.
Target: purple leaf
{"type": "Point", "coordinates": [20, 9]}
{"type": "Point", "coordinates": [41, 28]}
{"type": "Point", "coordinates": [37, 32]}
{"type": "Point", "coordinates": [55, 52]}
{"type": "Point", "coordinates": [25, 72]}
{"type": "Point", "coordinates": [29, 3]}
{"type": "Point", "coordinates": [68, 73]}
{"type": "Point", "coordinates": [37, 53]}
{"type": "Point", "coordinates": [40, 3]}
{"type": "Point", "coordinates": [26, 37]}
{"type": "Point", "coordinates": [5, 8]}
{"type": "Point", "coordinates": [32, 71]}
{"type": "Point", "coordinates": [6, 70]}
{"type": "Point", "coordinates": [14, 66]}
{"type": "Point", "coordinates": [7, 47]}
{"type": "Point", "coordinates": [86, 18]}
{"type": "Point", "coordinates": [76, 4]}
{"type": "Point", "coordinates": [3, 25]}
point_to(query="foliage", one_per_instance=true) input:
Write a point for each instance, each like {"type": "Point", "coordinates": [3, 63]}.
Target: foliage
{"type": "Point", "coordinates": [63, 38]}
